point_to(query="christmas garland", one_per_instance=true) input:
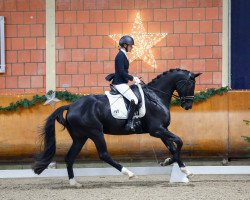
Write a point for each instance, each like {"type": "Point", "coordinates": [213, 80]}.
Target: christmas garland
{"type": "Point", "coordinates": [65, 95]}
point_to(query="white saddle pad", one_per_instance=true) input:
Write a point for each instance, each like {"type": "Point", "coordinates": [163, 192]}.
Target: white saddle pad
{"type": "Point", "coordinates": [118, 107]}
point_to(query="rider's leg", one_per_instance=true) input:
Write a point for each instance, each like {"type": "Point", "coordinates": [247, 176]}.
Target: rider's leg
{"type": "Point", "coordinates": [131, 112]}
{"type": "Point", "coordinates": [125, 90]}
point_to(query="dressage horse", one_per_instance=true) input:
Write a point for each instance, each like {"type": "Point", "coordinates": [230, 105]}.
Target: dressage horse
{"type": "Point", "coordinates": [90, 118]}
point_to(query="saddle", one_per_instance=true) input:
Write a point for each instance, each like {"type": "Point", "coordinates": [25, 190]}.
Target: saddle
{"type": "Point", "coordinates": [119, 104]}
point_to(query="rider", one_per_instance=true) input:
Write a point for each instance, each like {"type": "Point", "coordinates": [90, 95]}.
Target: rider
{"type": "Point", "coordinates": [122, 77]}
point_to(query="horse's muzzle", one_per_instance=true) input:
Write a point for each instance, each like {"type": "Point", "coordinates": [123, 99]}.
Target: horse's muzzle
{"type": "Point", "coordinates": [187, 107]}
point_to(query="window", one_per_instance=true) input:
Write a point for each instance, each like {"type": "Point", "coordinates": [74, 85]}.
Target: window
{"type": "Point", "coordinates": [240, 44]}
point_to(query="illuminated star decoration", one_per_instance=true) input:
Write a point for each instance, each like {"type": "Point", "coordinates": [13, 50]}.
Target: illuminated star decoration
{"type": "Point", "coordinates": [51, 99]}
{"type": "Point", "coordinates": [143, 42]}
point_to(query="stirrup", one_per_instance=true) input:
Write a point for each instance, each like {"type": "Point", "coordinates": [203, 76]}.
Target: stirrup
{"type": "Point", "coordinates": [136, 122]}
{"type": "Point", "coordinates": [130, 126]}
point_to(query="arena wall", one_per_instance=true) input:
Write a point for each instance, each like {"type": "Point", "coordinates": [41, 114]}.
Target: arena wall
{"type": "Point", "coordinates": [85, 55]}
{"type": "Point", "coordinates": [211, 129]}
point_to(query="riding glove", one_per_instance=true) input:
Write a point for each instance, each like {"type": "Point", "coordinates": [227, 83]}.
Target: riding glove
{"type": "Point", "coordinates": [136, 80]}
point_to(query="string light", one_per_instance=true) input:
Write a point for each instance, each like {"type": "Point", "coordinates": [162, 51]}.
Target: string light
{"type": "Point", "coordinates": [143, 42]}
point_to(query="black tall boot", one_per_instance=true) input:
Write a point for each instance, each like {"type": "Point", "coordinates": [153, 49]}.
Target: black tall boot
{"type": "Point", "coordinates": [130, 122]}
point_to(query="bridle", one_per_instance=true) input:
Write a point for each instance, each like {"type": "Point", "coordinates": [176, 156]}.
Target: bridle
{"type": "Point", "coordinates": [187, 97]}
{"type": "Point", "coordinates": [180, 98]}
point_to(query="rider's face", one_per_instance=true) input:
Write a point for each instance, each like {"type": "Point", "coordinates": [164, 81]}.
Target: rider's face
{"type": "Point", "coordinates": [130, 47]}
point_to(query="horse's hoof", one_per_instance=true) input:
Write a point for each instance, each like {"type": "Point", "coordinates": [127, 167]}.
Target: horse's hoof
{"type": "Point", "coordinates": [125, 171]}
{"type": "Point", "coordinates": [73, 183]}
{"type": "Point", "coordinates": [190, 175]}
{"type": "Point", "coordinates": [187, 172]}
{"type": "Point", "coordinates": [78, 185]}
{"type": "Point", "coordinates": [165, 163]}
{"type": "Point", "coordinates": [132, 177]}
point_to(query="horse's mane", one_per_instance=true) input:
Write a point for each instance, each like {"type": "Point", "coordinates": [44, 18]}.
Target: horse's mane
{"type": "Point", "coordinates": [165, 73]}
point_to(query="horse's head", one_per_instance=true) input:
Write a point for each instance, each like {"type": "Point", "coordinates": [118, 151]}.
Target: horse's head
{"type": "Point", "coordinates": [182, 81]}
{"type": "Point", "coordinates": [185, 88]}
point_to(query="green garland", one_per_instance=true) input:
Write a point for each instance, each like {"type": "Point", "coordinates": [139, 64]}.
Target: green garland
{"type": "Point", "coordinates": [65, 95]}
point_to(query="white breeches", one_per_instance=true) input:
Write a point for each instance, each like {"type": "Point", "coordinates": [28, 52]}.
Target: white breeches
{"type": "Point", "coordinates": [125, 90]}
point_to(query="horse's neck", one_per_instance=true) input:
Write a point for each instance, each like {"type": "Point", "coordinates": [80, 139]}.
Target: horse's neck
{"type": "Point", "coordinates": [166, 85]}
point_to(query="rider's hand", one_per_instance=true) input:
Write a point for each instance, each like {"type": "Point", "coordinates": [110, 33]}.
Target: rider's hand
{"type": "Point", "coordinates": [136, 80]}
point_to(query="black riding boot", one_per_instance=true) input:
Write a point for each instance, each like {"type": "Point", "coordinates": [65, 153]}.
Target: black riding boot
{"type": "Point", "coordinates": [130, 122]}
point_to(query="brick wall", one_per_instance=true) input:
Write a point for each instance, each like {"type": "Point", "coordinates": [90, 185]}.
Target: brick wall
{"type": "Point", "coordinates": [25, 46]}
{"type": "Point", "coordinates": [85, 53]}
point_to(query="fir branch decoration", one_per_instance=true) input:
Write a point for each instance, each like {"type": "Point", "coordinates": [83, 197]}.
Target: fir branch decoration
{"type": "Point", "coordinates": [25, 103]}
{"type": "Point", "coordinates": [67, 96]}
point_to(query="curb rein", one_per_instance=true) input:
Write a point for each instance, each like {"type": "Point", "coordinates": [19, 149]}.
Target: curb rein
{"type": "Point", "coordinates": [180, 98]}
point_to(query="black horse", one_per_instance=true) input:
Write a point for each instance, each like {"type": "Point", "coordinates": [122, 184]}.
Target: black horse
{"type": "Point", "coordinates": [90, 117]}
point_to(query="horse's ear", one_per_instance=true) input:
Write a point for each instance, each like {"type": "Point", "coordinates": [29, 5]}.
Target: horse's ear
{"type": "Point", "coordinates": [196, 75]}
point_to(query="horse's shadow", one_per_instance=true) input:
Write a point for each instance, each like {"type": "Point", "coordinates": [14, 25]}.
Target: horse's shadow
{"type": "Point", "coordinates": [106, 184]}
{"type": "Point", "coordinates": [103, 184]}
{"type": "Point", "coordinates": [117, 184]}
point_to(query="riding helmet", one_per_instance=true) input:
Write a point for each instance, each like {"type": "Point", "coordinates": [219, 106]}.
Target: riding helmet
{"type": "Point", "coordinates": [126, 39]}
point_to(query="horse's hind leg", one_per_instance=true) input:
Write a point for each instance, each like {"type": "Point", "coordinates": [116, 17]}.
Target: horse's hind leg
{"type": "Point", "coordinates": [70, 158]}
{"type": "Point", "coordinates": [101, 147]}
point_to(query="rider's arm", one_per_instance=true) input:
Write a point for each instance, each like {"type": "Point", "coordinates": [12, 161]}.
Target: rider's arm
{"type": "Point", "coordinates": [119, 65]}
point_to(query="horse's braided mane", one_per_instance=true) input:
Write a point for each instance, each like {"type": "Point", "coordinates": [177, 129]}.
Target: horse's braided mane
{"type": "Point", "coordinates": [166, 72]}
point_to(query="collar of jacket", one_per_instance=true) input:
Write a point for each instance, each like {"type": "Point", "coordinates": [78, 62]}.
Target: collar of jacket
{"type": "Point", "coordinates": [124, 51]}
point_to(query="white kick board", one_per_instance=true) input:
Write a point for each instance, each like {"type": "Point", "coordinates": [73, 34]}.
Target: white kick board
{"type": "Point", "coordinates": [28, 173]}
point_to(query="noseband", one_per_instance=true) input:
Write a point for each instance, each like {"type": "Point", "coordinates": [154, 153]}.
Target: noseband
{"type": "Point", "coordinates": [184, 98]}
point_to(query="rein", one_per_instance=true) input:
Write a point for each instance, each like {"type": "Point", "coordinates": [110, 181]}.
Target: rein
{"type": "Point", "coordinates": [152, 88]}
{"type": "Point", "coordinates": [182, 98]}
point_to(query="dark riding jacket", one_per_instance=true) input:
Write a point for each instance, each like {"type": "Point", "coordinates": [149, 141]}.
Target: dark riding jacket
{"type": "Point", "coordinates": [121, 69]}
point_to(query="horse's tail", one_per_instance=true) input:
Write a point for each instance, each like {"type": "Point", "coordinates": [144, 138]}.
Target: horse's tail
{"type": "Point", "coordinates": [48, 134]}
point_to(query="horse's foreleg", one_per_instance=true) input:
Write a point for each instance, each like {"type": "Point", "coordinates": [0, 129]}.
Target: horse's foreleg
{"type": "Point", "coordinates": [70, 158]}
{"type": "Point", "coordinates": [177, 140]}
{"type": "Point", "coordinates": [169, 144]}
{"type": "Point", "coordinates": [101, 147]}
{"type": "Point", "coordinates": [169, 139]}
{"type": "Point", "coordinates": [171, 147]}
